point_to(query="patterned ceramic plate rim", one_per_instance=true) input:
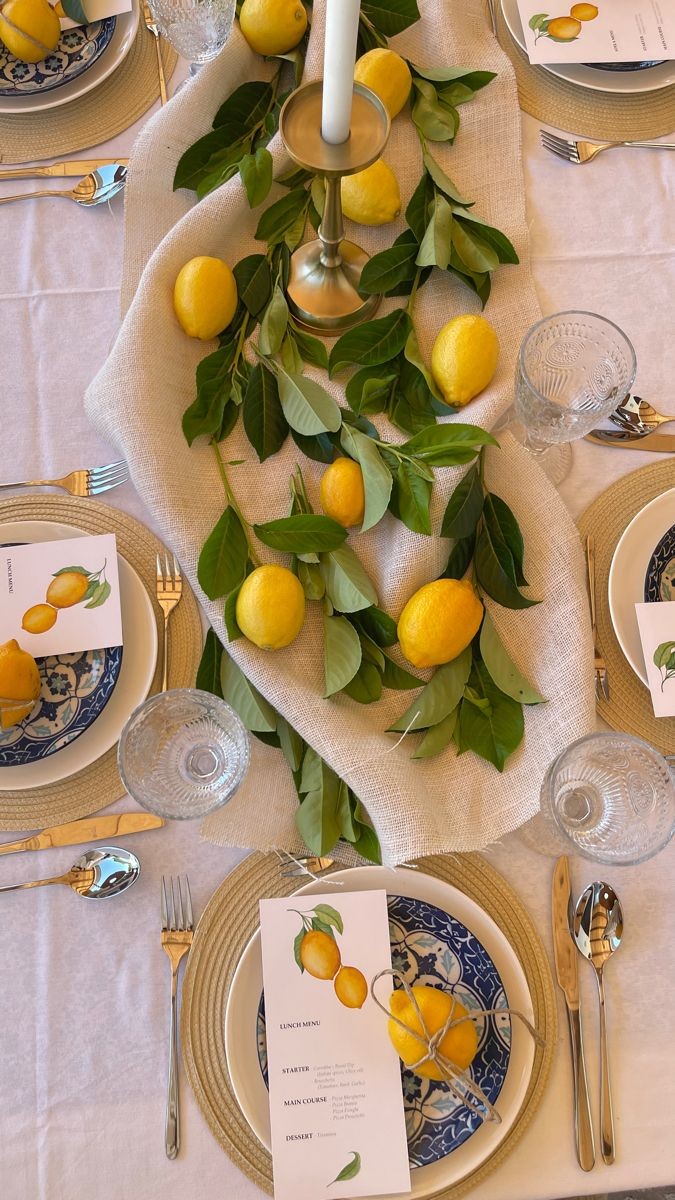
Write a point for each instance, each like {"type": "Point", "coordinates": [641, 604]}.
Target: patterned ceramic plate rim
{"type": "Point", "coordinates": [244, 992]}
{"type": "Point", "coordinates": [436, 1138]}
{"type": "Point", "coordinates": [656, 568]}
{"type": "Point", "coordinates": [41, 79]}
{"type": "Point", "coordinates": [630, 563]}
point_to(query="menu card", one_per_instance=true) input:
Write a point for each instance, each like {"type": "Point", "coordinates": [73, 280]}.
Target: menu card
{"type": "Point", "coordinates": [61, 597]}
{"type": "Point", "coordinates": [336, 1102]}
{"type": "Point", "coordinates": [609, 31]}
{"type": "Point", "coordinates": [84, 12]}
{"type": "Point", "coordinates": [657, 633]}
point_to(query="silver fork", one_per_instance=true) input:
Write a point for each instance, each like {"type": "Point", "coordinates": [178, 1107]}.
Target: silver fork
{"type": "Point", "coordinates": [177, 935]}
{"type": "Point", "coordinates": [601, 678]}
{"type": "Point", "coordinates": [169, 591]}
{"type": "Point", "coordinates": [293, 866]}
{"type": "Point", "coordinates": [583, 152]}
{"type": "Point", "coordinates": [89, 482]}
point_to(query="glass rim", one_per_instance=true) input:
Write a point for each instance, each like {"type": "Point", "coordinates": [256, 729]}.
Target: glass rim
{"type": "Point", "coordinates": [573, 312]}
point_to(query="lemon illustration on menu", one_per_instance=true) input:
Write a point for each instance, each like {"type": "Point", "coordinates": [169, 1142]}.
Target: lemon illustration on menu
{"type": "Point", "coordinates": [317, 952]}
{"type": "Point", "coordinates": [69, 586]}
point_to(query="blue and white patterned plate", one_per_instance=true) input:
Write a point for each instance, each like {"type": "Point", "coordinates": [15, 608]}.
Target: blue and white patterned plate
{"type": "Point", "coordinates": [660, 575]}
{"type": "Point", "coordinates": [77, 49]}
{"type": "Point", "coordinates": [432, 948]}
{"type": "Point", "coordinates": [75, 690]}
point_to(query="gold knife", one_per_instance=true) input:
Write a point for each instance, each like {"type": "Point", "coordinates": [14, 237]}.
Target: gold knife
{"type": "Point", "coordinates": [565, 953]}
{"type": "Point", "coordinates": [59, 170]}
{"type": "Point", "coordinates": [90, 829]}
{"type": "Point", "coordinates": [659, 443]}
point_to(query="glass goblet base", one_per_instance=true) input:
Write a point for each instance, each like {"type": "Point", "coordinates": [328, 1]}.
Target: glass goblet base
{"type": "Point", "coordinates": [554, 458]}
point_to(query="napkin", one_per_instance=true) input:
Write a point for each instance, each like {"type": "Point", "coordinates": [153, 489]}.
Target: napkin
{"type": "Point", "coordinates": [137, 400]}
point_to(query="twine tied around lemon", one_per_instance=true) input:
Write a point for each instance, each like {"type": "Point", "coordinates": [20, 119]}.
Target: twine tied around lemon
{"type": "Point", "coordinates": [459, 1080]}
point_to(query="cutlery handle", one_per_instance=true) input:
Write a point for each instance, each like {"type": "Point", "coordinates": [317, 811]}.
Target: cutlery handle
{"type": "Point", "coordinates": [606, 1113]}
{"type": "Point", "coordinates": [32, 196]}
{"type": "Point", "coordinates": [590, 566]}
{"type": "Point", "coordinates": [26, 482]}
{"type": "Point", "coordinates": [583, 1130]}
{"type": "Point", "coordinates": [160, 72]}
{"type": "Point", "coordinates": [172, 1126]}
{"type": "Point", "coordinates": [651, 145]}
{"type": "Point", "coordinates": [26, 172]}
{"type": "Point", "coordinates": [165, 655]}
{"type": "Point", "coordinates": [15, 887]}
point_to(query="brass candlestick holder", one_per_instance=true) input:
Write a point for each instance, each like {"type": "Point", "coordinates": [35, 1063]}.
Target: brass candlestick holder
{"type": "Point", "coordinates": [323, 284]}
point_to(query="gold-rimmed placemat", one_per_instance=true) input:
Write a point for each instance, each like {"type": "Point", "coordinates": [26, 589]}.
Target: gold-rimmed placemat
{"type": "Point", "coordinates": [100, 114]}
{"type": "Point", "coordinates": [225, 927]}
{"type": "Point", "coordinates": [629, 708]}
{"type": "Point", "coordinates": [99, 784]}
{"type": "Point", "coordinates": [605, 116]}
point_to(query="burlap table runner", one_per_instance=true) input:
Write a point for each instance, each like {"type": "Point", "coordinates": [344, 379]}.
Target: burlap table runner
{"type": "Point", "coordinates": [138, 398]}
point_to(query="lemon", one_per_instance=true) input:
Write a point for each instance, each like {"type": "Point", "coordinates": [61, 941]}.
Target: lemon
{"type": "Point", "coordinates": [19, 680]}
{"type": "Point", "coordinates": [270, 607]}
{"type": "Point", "coordinates": [67, 589]}
{"type": "Point", "coordinates": [563, 29]}
{"type": "Point", "coordinates": [30, 29]}
{"type": "Point", "coordinates": [371, 197]}
{"type": "Point", "coordinates": [350, 986]}
{"type": "Point", "coordinates": [205, 297]}
{"type": "Point", "coordinates": [39, 618]}
{"type": "Point", "coordinates": [459, 1044]}
{"type": "Point", "coordinates": [319, 954]}
{"type": "Point", "coordinates": [342, 494]}
{"type": "Point", "coordinates": [386, 74]}
{"type": "Point", "coordinates": [272, 26]}
{"type": "Point", "coordinates": [464, 358]}
{"type": "Point", "coordinates": [439, 621]}
{"type": "Point", "coordinates": [584, 12]}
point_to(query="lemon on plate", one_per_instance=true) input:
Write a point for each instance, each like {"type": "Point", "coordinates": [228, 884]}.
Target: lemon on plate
{"type": "Point", "coordinates": [371, 197]}
{"type": "Point", "coordinates": [459, 1044]}
{"type": "Point", "coordinates": [386, 74]}
{"type": "Point", "coordinates": [272, 26]}
{"type": "Point", "coordinates": [439, 621]}
{"type": "Point", "coordinates": [19, 684]}
{"type": "Point", "coordinates": [464, 358]}
{"type": "Point", "coordinates": [30, 29]}
{"type": "Point", "coordinates": [205, 297]}
{"type": "Point", "coordinates": [270, 607]}
{"type": "Point", "coordinates": [342, 493]}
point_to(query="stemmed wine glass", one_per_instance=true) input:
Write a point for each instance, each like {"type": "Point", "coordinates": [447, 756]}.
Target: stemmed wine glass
{"type": "Point", "coordinates": [197, 29]}
{"type": "Point", "coordinates": [574, 369]}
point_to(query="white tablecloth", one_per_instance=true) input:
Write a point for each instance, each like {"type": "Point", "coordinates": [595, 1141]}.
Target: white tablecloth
{"type": "Point", "coordinates": [85, 987]}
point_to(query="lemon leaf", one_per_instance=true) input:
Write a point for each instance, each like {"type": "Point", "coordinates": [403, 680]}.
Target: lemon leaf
{"type": "Point", "coordinates": [245, 107]}
{"type": "Point", "coordinates": [368, 389]}
{"type": "Point", "coordinates": [297, 942]}
{"type": "Point", "coordinates": [410, 499]}
{"type": "Point", "coordinates": [438, 737]}
{"type": "Point", "coordinates": [291, 743]}
{"type": "Point", "coordinates": [308, 407]}
{"type": "Point", "coordinates": [100, 595]}
{"type": "Point", "coordinates": [444, 181]}
{"type": "Point", "coordinates": [311, 578]}
{"type": "Point", "coordinates": [435, 248]}
{"type": "Point", "coordinates": [303, 533]}
{"type": "Point", "coordinates": [347, 584]}
{"type": "Point", "coordinates": [276, 221]}
{"type": "Point", "coordinates": [316, 818]}
{"type": "Point", "coordinates": [256, 175]}
{"type": "Point", "coordinates": [312, 350]}
{"type": "Point", "coordinates": [438, 124]}
{"type": "Point", "coordinates": [254, 282]}
{"type": "Point", "coordinates": [475, 253]}
{"type": "Point", "coordinates": [493, 561]}
{"type": "Point", "coordinates": [438, 697]}
{"type": "Point", "coordinates": [351, 1170]}
{"type": "Point", "coordinates": [330, 915]}
{"type": "Point", "coordinates": [397, 677]}
{"type": "Point", "coordinates": [230, 612]}
{"type": "Point", "coordinates": [68, 570]}
{"type": "Point", "coordinates": [222, 562]}
{"type": "Point", "coordinates": [459, 559]}
{"type": "Point", "coordinates": [342, 653]}
{"type": "Point", "coordinates": [391, 267]}
{"type": "Point", "coordinates": [474, 80]}
{"type": "Point", "coordinates": [366, 686]}
{"type": "Point", "coordinates": [255, 711]}
{"type": "Point", "coordinates": [318, 447]}
{"type": "Point", "coordinates": [464, 507]}
{"type": "Point", "coordinates": [377, 625]}
{"type": "Point", "coordinates": [493, 733]}
{"type": "Point", "coordinates": [448, 445]}
{"type": "Point", "coordinates": [373, 343]}
{"type": "Point", "coordinates": [274, 323]}
{"type": "Point", "coordinates": [417, 212]}
{"type": "Point", "coordinates": [75, 10]}
{"type": "Point", "coordinates": [377, 480]}
{"type": "Point", "coordinates": [504, 527]}
{"type": "Point", "coordinates": [391, 17]}
{"type": "Point", "coordinates": [264, 421]}
{"type": "Point", "coordinates": [208, 671]}
{"type": "Point", "coordinates": [501, 668]}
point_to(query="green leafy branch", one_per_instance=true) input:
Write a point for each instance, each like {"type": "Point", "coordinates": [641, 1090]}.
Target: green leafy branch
{"type": "Point", "coordinates": [329, 811]}
{"type": "Point", "coordinates": [664, 659]}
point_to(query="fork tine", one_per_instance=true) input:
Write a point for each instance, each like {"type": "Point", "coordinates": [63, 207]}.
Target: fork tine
{"type": "Point", "coordinates": [546, 136]}
{"type": "Point", "coordinates": [165, 917]}
{"type": "Point", "coordinates": [107, 469]}
{"type": "Point", "coordinates": [181, 918]}
{"type": "Point", "coordinates": [188, 904]}
{"type": "Point", "coordinates": [160, 577]}
{"type": "Point", "coordinates": [173, 905]}
{"type": "Point", "coordinates": [168, 577]}
{"type": "Point", "coordinates": [177, 576]}
{"type": "Point", "coordinates": [604, 680]}
{"type": "Point", "coordinates": [116, 476]}
{"type": "Point", "coordinates": [97, 488]}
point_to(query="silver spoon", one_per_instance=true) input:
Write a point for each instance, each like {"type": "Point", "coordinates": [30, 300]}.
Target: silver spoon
{"type": "Point", "coordinates": [597, 929]}
{"type": "Point", "coordinates": [639, 416]}
{"type": "Point", "coordinates": [100, 185]}
{"type": "Point", "coordinates": [97, 874]}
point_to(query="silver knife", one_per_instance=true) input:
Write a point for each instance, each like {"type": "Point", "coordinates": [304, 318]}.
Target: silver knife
{"type": "Point", "coordinates": [59, 170]}
{"type": "Point", "coordinates": [89, 829]}
{"type": "Point", "coordinates": [620, 439]}
{"type": "Point", "coordinates": [565, 953]}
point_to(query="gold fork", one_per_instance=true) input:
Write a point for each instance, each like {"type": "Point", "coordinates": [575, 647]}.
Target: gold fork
{"type": "Point", "coordinates": [82, 483]}
{"type": "Point", "coordinates": [601, 678]}
{"type": "Point", "coordinates": [177, 935]}
{"type": "Point", "coordinates": [153, 28]}
{"type": "Point", "coordinates": [582, 152]}
{"type": "Point", "coordinates": [169, 591]}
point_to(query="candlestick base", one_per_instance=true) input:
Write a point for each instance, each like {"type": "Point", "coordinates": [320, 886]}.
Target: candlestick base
{"type": "Point", "coordinates": [323, 286]}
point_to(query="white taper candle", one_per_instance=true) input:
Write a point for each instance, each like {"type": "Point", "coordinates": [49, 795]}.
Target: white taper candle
{"type": "Point", "coordinates": [342, 25]}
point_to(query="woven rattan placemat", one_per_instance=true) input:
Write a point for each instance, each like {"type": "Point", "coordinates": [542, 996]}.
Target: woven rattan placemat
{"type": "Point", "coordinates": [99, 784]}
{"type": "Point", "coordinates": [605, 116]}
{"type": "Point", "coordinates": [228, 922]}
{"type": "Point", "coordinates": [629, 708]}
{"type": "Point", "coordinates": [95, 117]}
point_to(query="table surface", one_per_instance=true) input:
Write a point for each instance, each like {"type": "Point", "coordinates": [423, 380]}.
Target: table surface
{"type": "Point", "coordinates": [85, 995]}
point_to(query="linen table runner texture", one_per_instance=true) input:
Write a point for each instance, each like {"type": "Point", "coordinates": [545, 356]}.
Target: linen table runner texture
{"type": "Point", "coordinates": [138, 398]}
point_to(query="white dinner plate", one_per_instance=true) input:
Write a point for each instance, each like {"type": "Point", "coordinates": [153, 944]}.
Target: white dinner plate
{"type": "Point", "coordinates": [626, 586]}
{"type": "Point", "coordinates": [242, 1009]}
{"type": "Point", "coordinates": [115, 52]}
{"type": "Point", "coordinates": [139, 659]}
{"type": "Point", "coordinates": [648, 80]}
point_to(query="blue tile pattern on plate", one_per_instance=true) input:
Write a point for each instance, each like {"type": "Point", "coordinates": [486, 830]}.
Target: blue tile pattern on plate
{"type": "Point", "coordinates": [76, 51]}
{"type": "Point", "coordinates": [75, 690]}
{"type": "Point", "coordinates": [430, 947]}
{"type": "Point", "coordinates": [660, 576]}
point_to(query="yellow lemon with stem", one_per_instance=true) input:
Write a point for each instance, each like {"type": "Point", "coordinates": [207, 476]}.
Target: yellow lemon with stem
{"type": "Point", "coordinates": [386, 74]}
{"type": "Point", "coordinates": [19, 684]}
{"type": "Point", "coordinates": [272, 26]}
{"type": "Point", "coordinates": [270, 607]}
{"type": "Point", "coordinates": [342, 492]}
{"type": "Point", "coordinates": [459, 1044]}
{"type": "Point", "coordinates": [464, 358]}
{"type": "Point", "coordinates": [439, 621]}
{"type": "Point", "coordinates": [205, 297]}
